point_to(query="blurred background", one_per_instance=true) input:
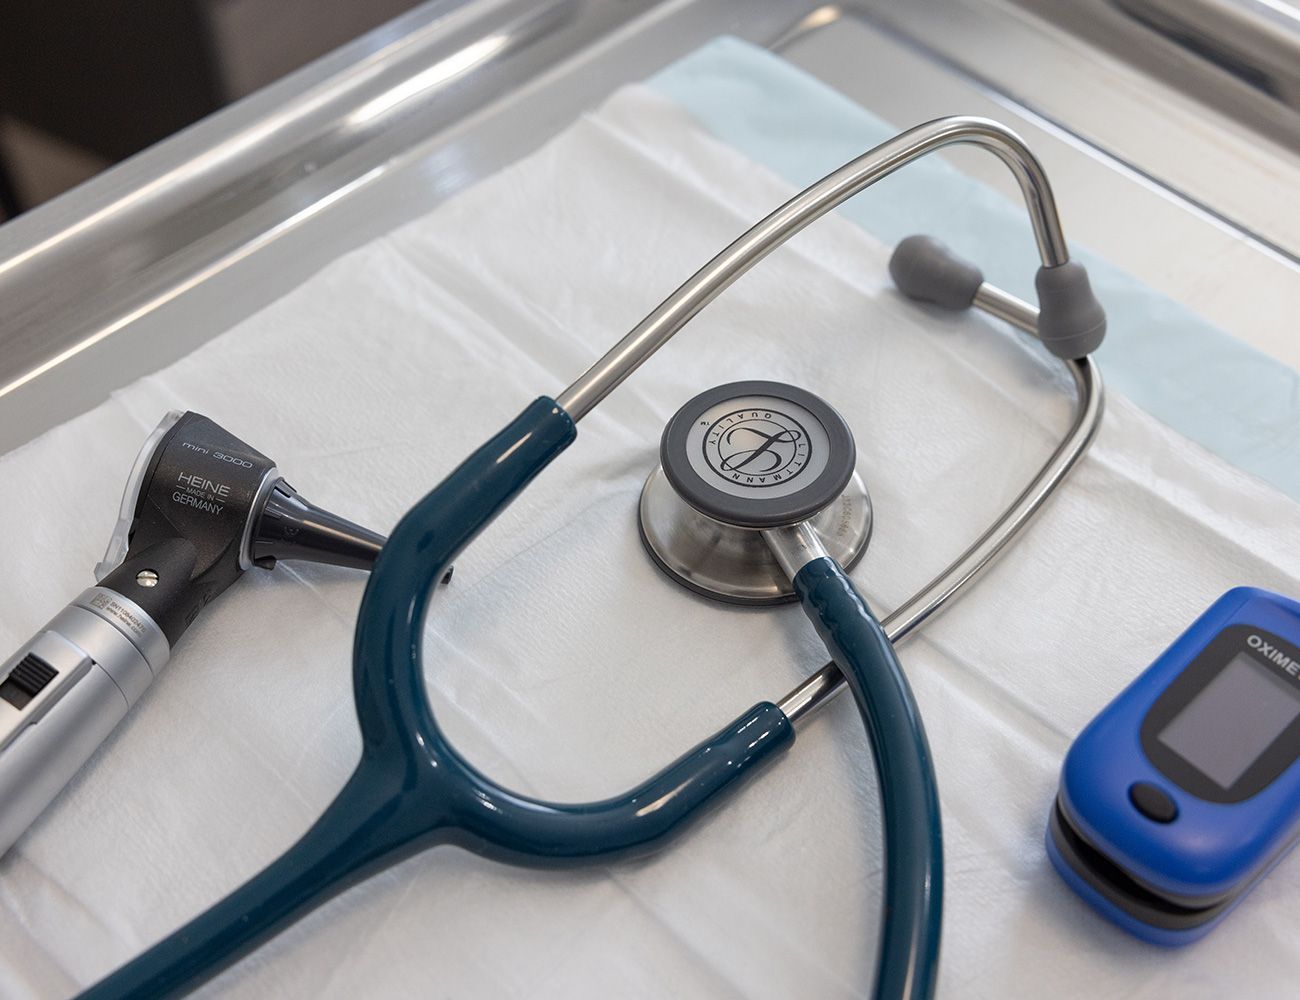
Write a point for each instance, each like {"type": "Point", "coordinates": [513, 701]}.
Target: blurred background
{"type": "Point", "coordinates": [86, 83]}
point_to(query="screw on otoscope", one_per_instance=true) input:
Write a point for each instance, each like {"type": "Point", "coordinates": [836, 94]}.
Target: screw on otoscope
{"type": "Point", "coordinates": [147, 578]}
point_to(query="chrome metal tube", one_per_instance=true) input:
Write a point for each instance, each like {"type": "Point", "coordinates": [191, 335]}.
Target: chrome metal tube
{"type": "Point", "coordinates": [711, 280]}
{"type": "Point", "coordinates": [827, 682]}
{"type": "Point", "coordinates": [1006, 307]}
{"type": "Point", "coordinates": [795, 546]}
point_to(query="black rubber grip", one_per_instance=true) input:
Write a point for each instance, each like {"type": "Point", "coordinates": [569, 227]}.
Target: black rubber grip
{"type": "Point", "coordinates": [27, 680]}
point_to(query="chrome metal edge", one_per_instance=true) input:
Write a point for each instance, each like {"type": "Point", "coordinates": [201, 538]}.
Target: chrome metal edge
{"type": "Point", "coordinates": [733, 564]}
{"type": "Point", "coordinates": [795, 546]}
{"type": "Point", "coordinates": [132, 621]}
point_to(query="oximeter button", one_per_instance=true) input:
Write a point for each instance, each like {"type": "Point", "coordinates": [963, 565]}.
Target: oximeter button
{"type": "Point", "coordinates": [1153, 803]}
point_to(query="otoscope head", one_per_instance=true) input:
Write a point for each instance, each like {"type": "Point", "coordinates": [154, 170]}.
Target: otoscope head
{"type": "Point", "coordinates": [200, 508]}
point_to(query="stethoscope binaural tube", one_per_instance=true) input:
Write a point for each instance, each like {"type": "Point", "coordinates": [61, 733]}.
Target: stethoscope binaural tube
{"type": "Point", "coordinates": [411, 790]}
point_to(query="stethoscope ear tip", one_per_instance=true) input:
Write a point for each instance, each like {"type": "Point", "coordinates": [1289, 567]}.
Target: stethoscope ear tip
{"type": "Point", "coordinates": [925, 269]}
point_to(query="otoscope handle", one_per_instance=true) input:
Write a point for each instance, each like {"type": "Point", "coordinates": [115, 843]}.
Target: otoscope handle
{"type": "Point", "coordinates": [913, 903]}
{"type": "Point", "coordinates": [63, 692]}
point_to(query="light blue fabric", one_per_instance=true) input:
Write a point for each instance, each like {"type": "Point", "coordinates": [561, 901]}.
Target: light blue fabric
{"type": "Point", "coordinates": [1235, 401]}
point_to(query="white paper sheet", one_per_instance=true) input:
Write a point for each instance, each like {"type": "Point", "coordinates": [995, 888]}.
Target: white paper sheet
{"type": "Point", "coordinates": [566, 665]}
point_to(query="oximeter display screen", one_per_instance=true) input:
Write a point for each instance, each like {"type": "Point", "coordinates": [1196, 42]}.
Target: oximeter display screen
{"type": "Point", "coordinates": [1225, 728]}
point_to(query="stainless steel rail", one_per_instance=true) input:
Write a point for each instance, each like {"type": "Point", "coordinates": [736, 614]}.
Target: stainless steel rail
{"type": "Point", "coordinates": [152, 258]}
{"type": "Point", "coordinates": [149, 260]}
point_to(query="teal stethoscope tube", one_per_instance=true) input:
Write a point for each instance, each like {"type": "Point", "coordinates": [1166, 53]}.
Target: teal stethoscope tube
{"type": "Point", "coordinates": [411, 790]}
{"type": "Point", "coordinates": [909, 799]}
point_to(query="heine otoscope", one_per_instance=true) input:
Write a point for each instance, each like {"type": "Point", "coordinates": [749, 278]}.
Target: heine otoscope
{"type": "Point", "coordinates": [200, 508]}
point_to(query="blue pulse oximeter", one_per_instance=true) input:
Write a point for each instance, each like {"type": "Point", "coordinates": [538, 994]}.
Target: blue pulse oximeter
{"type": "Point", "coordinates": [1185, 790]}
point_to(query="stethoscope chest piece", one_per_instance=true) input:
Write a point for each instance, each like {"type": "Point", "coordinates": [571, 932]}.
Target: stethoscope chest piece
{"type": "Point", "coordinates": [740, 458]}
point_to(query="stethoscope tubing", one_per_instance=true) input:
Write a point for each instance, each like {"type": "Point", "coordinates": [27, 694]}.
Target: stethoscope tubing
{"type": "Point", "coordinates": [412, 791]}
{"type": "Point", "coordinates": [908, 952]}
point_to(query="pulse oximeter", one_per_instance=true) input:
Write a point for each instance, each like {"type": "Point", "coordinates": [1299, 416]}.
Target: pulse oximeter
{"type": "Point", "coordinates": [1185, 791]}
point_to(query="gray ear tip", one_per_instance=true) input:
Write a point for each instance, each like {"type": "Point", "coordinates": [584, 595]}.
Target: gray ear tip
{"type": "Point", "coordinates": [1071, 322]}
{"type": "Point", "coordinates": [925, 269]}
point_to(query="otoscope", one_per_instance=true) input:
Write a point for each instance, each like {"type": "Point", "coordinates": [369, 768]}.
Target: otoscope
{"type": "Point", "coordinates": [200, 507]}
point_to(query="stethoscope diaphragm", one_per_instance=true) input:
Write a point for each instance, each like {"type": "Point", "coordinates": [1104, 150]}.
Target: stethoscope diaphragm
{"type": "Point", "coordinates": [742, 457]}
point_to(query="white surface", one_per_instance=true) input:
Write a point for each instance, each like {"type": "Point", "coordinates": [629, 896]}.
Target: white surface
{"type": "Point", "coordinates": [566, 665]}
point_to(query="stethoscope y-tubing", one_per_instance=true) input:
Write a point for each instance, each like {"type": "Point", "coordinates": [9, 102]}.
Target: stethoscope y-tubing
{"type": "Point", "coordinates": [411, 790]}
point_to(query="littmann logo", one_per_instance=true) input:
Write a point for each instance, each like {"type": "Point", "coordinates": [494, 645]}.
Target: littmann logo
{"type": "Point", "coordinates": [1273, 654]}
{"type": "Point", "coordinates": [757, 447]}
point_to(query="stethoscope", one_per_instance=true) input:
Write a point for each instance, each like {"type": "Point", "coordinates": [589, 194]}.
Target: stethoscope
{"type": "Point", "coordinates": [710, 526]}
